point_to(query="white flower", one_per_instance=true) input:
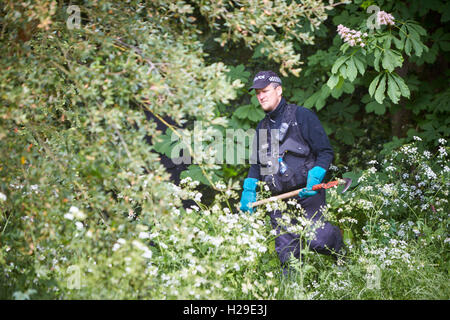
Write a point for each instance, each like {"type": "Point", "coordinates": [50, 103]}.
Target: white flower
{"type": "Point", "coordinates": [2, 197]}
{"type": "Point", "coordinates": [79, 225]}
{"type": "Point", "coordinates": [186, 180]}
{"type": "Point", "coordinates": [429, 173]}
{"type": "Point", "coordinates": [388, 189]}
{"type": "Point", "coordinates": [154, 235]}
{"type": "Point", "coordinates": [390, 168]}
{"type": "Point", "coordinates": [262, 249]}
{"type": "Point", "coordinates": [76, 213]}
{"type": "Point", "coordinates": [372, 170]}
{"type": "Point", "coordinates": [68, 216]}
{"type": "Point", "coordinates": [333, 168]}
{"type": "Point", "coordinates": [246, 287]}
{"type": "Point", "coordinates": [198, 197]}
{"type": "Point", "coordinates": [163, 245]}
{"type": "Point", "coordinates": [144, 235]}
{"type": "Point", "coordinates": [200, 269]}
{"type": "Point", "coordinates": [220, 186]}
{"type": "Point", "coordinates": [147, 254]}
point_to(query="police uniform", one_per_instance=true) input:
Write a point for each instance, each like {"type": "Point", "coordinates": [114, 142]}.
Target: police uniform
{"type": "Point", "coordinates": [304, 146]}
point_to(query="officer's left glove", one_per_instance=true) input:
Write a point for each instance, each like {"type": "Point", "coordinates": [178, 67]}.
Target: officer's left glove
{"type": "Point", "coordinates": [315, 176]}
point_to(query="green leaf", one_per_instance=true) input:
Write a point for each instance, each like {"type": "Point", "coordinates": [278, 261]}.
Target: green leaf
{"type": "Point", "coordinates": [243, 111]}
{"type": "Point", "coordinates": [379, 93]}
{"type": "Point", "coordinates": [348, 87]}
{"type": "Point", "coordinates": [373, 85]}
{"type": "Point", "coordinates": [403, 32]}
{"type": "Point", "coordinates": [401, 85]}
{"type": "Point", "coordinates": [256, 114]}
{"type": "Point", "coordinates": [352, 72]}
{"type": "Point", "coordinates": [376, 62]}
{"type": "Point", "coordinates": [413, 34]}
{"type": "Point", "coordinates": [354, 175]}
{"type": "Point", "coordinates": [320, 103]}
{"type": "Point", "coordinates": [391, 60]}
{"type": "Point", "coordinates": [165, 145]}
{"type": "Point", "coordinates": [408, 46]}
{"type": "Point", "coordinates": [338, 89]}
{"type": "Point", "coordinates": [445, 13]}
{"type": "Point", "coordinates": [238, 72]}
{"type": "Point", "coordinates": [336, 92]}
{"type": "Point", "coordinates": [324, 94]}
{"type": "Point", "coordinates": [195, 173]}
{"type": "Point", "coordinates": [417, 28]}
{"type": "Point", "coordinates": [418, 47]}
{"type": "Point", "coordinates": [387, 42]}
{"type": "Point", "coordinates": [445, 45]}
{"type": "Point", "coordinates": [375, 107]}
{"type": "Point", "coordinates": [345, 136]}
{"type": "Point", "coordinates": [333, 81]}
{"type": "Point", "coordinates": [393, 90]}
{"type": "Point", "coordinates": [360, 64]}
{"type": "Point", "coordinates": [343, 71]}
{"type": "Point", "coordinates": [338, 63]}
{"type": "Point", "coordinates": [249, 111]}
{"type": "Point", "coordinates": [399, 43]}
{"type": "Point", "coordinates": [340, 83]}
{"type": "Point", "coordinates": [309, 103]}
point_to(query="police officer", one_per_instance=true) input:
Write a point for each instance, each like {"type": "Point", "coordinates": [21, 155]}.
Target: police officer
{"type": "Point", "coordinates": [300, 147]}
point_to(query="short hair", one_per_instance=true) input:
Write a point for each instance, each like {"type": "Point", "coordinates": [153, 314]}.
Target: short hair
{"type": "Point", "coordinates": [275, 85]}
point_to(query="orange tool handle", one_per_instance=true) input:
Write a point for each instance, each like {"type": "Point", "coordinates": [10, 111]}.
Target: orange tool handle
{"type": "Point", "coordinates": [327, 185]}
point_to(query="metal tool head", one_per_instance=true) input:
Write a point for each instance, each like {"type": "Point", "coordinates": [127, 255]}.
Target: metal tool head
{"type": "Point", "coordinates": [347, 182]}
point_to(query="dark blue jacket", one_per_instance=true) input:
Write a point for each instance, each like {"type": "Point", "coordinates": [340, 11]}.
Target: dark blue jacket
{"type": "Point", "coordinates": [311, 130]}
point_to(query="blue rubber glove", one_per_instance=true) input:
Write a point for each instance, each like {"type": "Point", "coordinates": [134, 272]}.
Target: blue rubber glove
{"type": "Point", "coordinates": [249, 194]}
{"type": "Point", "coordinates": [315, 176]}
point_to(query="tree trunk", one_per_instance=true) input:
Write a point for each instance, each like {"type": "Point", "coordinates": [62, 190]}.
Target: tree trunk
{"type": "Point", "coordinates": [401, 117]}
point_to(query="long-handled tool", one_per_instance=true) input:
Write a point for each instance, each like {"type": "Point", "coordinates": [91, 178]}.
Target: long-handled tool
{"type": "Point", "coordinates": [344, 181]}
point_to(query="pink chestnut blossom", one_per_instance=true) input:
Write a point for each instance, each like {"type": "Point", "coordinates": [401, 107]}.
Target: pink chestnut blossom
{"type": "Point", "coordinates": [384, 18]}
{"type": "Point", "coordinates": [352, 37]}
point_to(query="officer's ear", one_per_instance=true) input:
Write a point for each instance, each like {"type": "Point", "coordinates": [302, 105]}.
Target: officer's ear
{"type": "Point", "coordinates": [279, 90]}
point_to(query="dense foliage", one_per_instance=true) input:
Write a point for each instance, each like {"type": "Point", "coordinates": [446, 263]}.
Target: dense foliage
{"type": "Point", "coordinates": [87, 210]}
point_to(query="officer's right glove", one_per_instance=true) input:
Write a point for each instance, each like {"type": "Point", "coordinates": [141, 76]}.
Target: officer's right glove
{"type": "Point", "coordinates": [249, 194]}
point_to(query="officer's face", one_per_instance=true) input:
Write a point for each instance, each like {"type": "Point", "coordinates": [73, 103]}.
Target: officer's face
{"type": "Point", "coordinates": [269, 97]}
